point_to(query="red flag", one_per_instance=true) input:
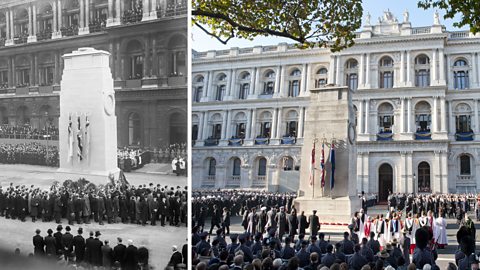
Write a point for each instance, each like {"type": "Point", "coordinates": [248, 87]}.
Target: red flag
{"type": "Point", "coordinates": [322, 166]}
{"type": "Point", "coordinates": [312, 166]}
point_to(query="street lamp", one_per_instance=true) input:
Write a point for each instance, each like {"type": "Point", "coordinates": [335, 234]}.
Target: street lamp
{"type": "Point", "coordinates": [415, 186]}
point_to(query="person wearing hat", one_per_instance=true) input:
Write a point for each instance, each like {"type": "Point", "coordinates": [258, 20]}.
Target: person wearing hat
{"type": "Point", "coordinates": [88, 248]}
{"type": "Point", "coordinates": [38, 244]}
{"type": "Point", "coordinates": [78, 246]}
{"type": "Point", "coordinates": [222, 244]}
{"type": "Point", "coordinates": [247, 253]}
{"type": "Point", "coordinates": [67, 241]}
{"type": "Point", "coordinates": [262, 220]}
{"type": "Point", "coordinates": [405, 243]}
{"type": "Point", "coordinates": [292, 221]}
{"type": "Point", "coordinates": [281, 220]}
{"type": "Point", "coordinates": [314, 222]}
{"type": "Point", "coordinates": [50, 249]}
{"type": "Point", "coordinates": [107, 255]}
{"type": "Point", "coordinates": [302, 223]}
{"type": "Point", "coordinates": [391, 260]}
{"type": "Point", "coordinates": [130, 258]}
{"type": "Point", "coordinates": [96, 250]}
{"type": "Point", "coordinates": [257, 244]}
{"type": "Point", "coordinates": [226, 220]}
{"type": "Point", "coordinates": [176, 257]}
{"type": "Point", "coordinates": [58, 240]}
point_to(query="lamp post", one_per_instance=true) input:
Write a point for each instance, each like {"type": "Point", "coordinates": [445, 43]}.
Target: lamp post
{"type": "Point", "coordinates": [415, 186]}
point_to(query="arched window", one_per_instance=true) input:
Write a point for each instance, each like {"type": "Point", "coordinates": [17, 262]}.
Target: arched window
{"type": "Point", "coordinates": [22, 66]}
{"type": "Point", "coordinates": [422, 71]}
{"type": "Point", "coordinates": [244, 88]}
{"type": "Point", "coordinates": [423, 116]}
{"type": "Point", "coordinates": [221, 87]}
{"type": "Point", "coordinates": [265, 121]}
{"type": "Point", "coordinates": [386, 72]}
{"type": "Point", "coordinates": [46, 69]}
{"type": "Point", "coordinates": [294, 83]}
{"type": "Point", "coordinates": [269, 83]}
{"type": "Point", "coordinates": [287, 163]}
{"type": "Point", "coordinates": [194, 133]}
{"type": "Point", "coordinates": [236, 167]}
{"type": "Point", "coordinates": [198, 88]}
{"type": "Point", "coordinates": [262, 166]}
{"type": "Point", "coordinates": [135, 54]}
{"type": "Point", "coordinates": [465, 165]}
{"type": "Point", "coordinates": [424, 177]}
{"type": "Point", "coordinates": [385, 118]}
{"type": "Point", "coordinates": [291, 118]}
{"type": "Point", "coordinates": [321, 78]}
{"type": "Point", "coordinates": [240, 131]}
{"type": "Point", "coordinates": [460, 74]}
{"type": "Point", "coordinates": [217, 131]}
{"type": "Point", "coordinates": [134, 129]}
{"type": "Point", "coordinates": [351, 72]}
{"type": "Point", "coordinates": [212, 167]}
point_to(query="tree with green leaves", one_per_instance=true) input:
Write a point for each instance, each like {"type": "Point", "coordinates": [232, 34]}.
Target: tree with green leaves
{"type": "Point", "coordinates": [469, 10]}
{"type": "Point", "coordinates": [308, 22]}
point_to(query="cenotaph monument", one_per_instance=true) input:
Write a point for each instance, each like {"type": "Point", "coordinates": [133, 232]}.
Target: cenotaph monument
{"type": "Point", "coordinates": [87, 124]}
{"type": "Point", "coordinates": [329, 118]}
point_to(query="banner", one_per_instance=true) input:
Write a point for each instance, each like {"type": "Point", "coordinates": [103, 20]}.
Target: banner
{"type": "Point", "coordinates": [322, 166]}
{"type": "Point", "coordinates": [87, 138]}
{"type": "Point", "coordinates": [312, 166]}
{"type": "Point", "coordinates": [332, 162]}
{"type": "Point", "coordinates": [70, 139]}
{"type": "Point", "coordinates": [79, 140]}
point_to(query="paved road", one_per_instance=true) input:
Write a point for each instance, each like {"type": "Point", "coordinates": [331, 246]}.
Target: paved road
{"type": "Point", "coordinates": [336, 234]}
{"type": "Point", "coordinates": [158, 239]}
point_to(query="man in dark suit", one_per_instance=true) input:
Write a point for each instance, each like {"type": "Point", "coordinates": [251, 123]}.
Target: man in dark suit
{"type": "Point", "coordinates": [292, 224]}
{"type": "Point", "coordinates": [38, 244]}
{"type": "Point", "coordinates": [357, 261]}
{"type": "Point", "coordinates": [373, 244]}
{"type": "Point", "coordinates": [119, 252]}
{"type": "Point", "coordinates": [96, 251]}
{"type": "Point", "coordinates": [281, 220]}
{"type": "Point", "coordinates": [302, 223]}
{"type": "Point", "coordinates": [314, 222]}
{"type": "Point", "coordinates": [57, 209]}
{"type": "Point", "coordinates": [107, 255]}
{"type": "Point", "coordinates": [142, 255]}
{"type": "Point", "coordinates": [67, 241]}
{"type": "Point", "coordinates": [79, 244]}
{"type": "Point", "coordinates": [215, 221]}
{"type": "Point", "coordinates": [88, 248]}
{"type": "Point", "coordinates": [50, 244]}
{"type": "Point", "coordinates": [347, 246]}
{"type": "Point", "coordinates": [58, 240]}
{"type": "Point", "coordinates": [131, 257]}
{"type": "Point", "coordinates": [176, 257]}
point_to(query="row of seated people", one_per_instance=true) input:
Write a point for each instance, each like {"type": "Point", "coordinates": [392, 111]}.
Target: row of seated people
{"type": "Point", "coordinates": [28, 132]}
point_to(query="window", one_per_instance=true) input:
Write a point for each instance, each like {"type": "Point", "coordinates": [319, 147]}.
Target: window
{"type": "Point", "coordinates": [294, 88]}
{"type": "Point", "coordinates": [386, 123]}
{"type": "Point", "coordinates": [424, 177]}
{"type": "Point", "coordinates": [291, 129]}
{"type": "Point", "coordinates": [423, 122]}
{"type": "Point", "coordinates": [178, 63]}
{"type": "Point", "coordinates": [463, 124]}
{"type": "Point", "coordinates": [422, 71]}
{"type": "Point", "coordinates": [243, 93]}
{"type": "Point", "coordinates": [465, 165]}
{"type": "Point", "coordinates": [236, 167]}
{"type": "Point", "coordinates": [136, 62]}
{"type": "Point", "coordinates": [351, 71]}
{"type": "Point", "coordinates": [46, 75]}
{"type": "Point", "coordinates": [194, 132]}
{"type": "Point", "coordinates": [321, 77]}
{"type": "Point", "coordinates": [287, 163]}
{"type": "Point", "coordinates": [460, 74]}
{"type": "Point", "coordinates": [212, 167]}
{"type": "Point", "coordinates": [262, 167]}
{"type": "Point", "coordinates": [240, 131]}
{"type": "Point", "coordinates": [386, 72]}
{"type": "Point", "coordinates": [134, 129]}
{"type": "Point", "coordinates": [198, 93]}
{"type": "Point", "coordinates": [217, 131]}
{"type": "Point", "coordinates": [269, 83]}
{"type": "Point", "coordinates": [265, 130]}
{"type": "Point", "coordinates": [268, 89]}
{"type": "Point", "coordinates": [220, 92]}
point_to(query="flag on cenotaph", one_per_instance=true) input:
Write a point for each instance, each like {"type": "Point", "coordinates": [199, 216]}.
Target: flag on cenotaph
{"type": "Point", "coordinates": [312, 166]}
{"type": "Point", "coordinates": [332, 162]}
{"type": "Point", "coordinates": [322, 166]}
{"type": "Point", "coordinates": [79, 140]}
{"type": "Point", "coordinates": [70, 139]}
{"type": "Point", "coordinates": [87, 137]}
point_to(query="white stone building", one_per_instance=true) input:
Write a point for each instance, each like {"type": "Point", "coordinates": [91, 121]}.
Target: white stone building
{"type": "Point", "coordinates": [416, 100]}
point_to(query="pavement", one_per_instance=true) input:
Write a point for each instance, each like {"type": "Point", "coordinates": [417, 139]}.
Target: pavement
{"type": "Point", "coordinates": [335, 233]}
{"type": "Point", "coordinates": [159, 240]}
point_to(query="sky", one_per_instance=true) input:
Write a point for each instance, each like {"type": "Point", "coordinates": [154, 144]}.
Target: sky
{"type": "Point", "coordinates": [418, 17]}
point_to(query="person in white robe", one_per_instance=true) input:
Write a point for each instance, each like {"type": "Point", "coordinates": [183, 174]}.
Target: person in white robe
{"type": "Point", "coordinates": [440, 232]}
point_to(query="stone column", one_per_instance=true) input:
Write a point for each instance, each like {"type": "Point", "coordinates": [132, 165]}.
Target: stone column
{"type": "Point", "coordinates": [205, 126]}
{"type": "Point", "coordinates": [434, 67]}
{"type": "Point", "coordinates": [435, 115]}
{"type": "Point", "coordinates": [273, 132]}
{"type": "Point", "coordinates": [253, 123]}
{"type": "Point", "coordinates": [256, 87]}
{"type": "Point", "coordinates": [55, 18]}
{"type": "Point", "coordinates": [277, 81]}
{"type": "Point", "coordinates": [35, 23]}
{"type": "Point", "coordinates": [338, 77]}
{"type": "Point", "coordinates": [367, 115]}
{"type": "Point", "coordinates": [409, 115]}
{"type": "Point", "coordinates": [301, 122]}
{"type": "Point", "coordinates": [118, 62]}
{"type": "Point", "coordinates": [282, 82]}
{"type": "Point", "coordinates": [12, 25]}
{"type": "Point", "coordinates": [451, 118]}
{"type": "Point", "coordinates": [223, 135]}
{"type": "Point", "coordinates": [231, 84]}
{"type": "Point", "coordinates": [476, 130]}
{"type": "Point", "coordinates": [82, 14]}
{"type": "Point", "coordinates": [248, 125]}
{"type": "Point", "coordinates": [7, 18]}
{"type": "Point", "coordinates": [402, 68]}
{"type": "Point", "coordinates": [110, 13]}
{"type": "Point", "coordinates": [367, 72]}
{"type": "Point", "coordinates": [118, 14]}
{"type": "Point", "coordinates": [478, 65]}
{"type": "Point", "coordinates": [279, 123]}
{"type": "Point", "coordinates": [56, 73]}
{"type": "Point", "coordinates": [360, 172]}
{"type": "Point", "coordinates": [209, 91]}
{"type": "Point", "coordinates": [443, 115]}
{"type": "Point", "coordinates": [402, 115]}
{"type": "Point", "coordinates": [200, 128]}
{"type": "Point", "coordinates": [303, 82]}
{"type": "Point", "coordinates": [366, 172]}
{"type": "Point", "coordinates": [229, 125]}
{"type": "Point", "coordinates": [441, 69]}
{"type": "Point", "coordinates": [10, 71]}
{"type": "Point", "coordinates": [87, 14]}
{"type": "Point", "coordinates": [360, 117]}
{"type": "Point", "coordinates": [449, 74]}
{"type": "Point", "coordinates": [437, 165]}
{"type": "Point", "coordinates": [36, 80]}
{"type": "Point", "coordinates": [308, 80]}
{"type": "Point", "coordinates": [146, 10]}
{"type": "Point", "coordinates": [473, 78]}
{"type": "Point", "coordinates": [403, 171]}
{"type": "Point", "coordinates": [444, 172]}
{"type": "Point", "coordinates": [409, 82]}
{"type": "Point", "coordinates": [361, 72]}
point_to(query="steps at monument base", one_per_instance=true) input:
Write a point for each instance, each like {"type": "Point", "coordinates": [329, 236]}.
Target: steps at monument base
{"type": "Point", "coordinates": [156, 168]}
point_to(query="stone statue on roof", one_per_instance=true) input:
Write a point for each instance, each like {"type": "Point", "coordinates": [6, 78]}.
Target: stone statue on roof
{"type": "Point", "coordinates": [406, 16]}
{"type": "Point", "coordinates": [367, 19]}
{"type": "Point", "coordinates": [436, 18]}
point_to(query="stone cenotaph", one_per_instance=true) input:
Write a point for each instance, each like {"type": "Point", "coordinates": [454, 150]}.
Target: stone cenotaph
{"type": "Point", "coordinates": [329, 117]}
{"type": "Point", "coordinates": [87, 124]}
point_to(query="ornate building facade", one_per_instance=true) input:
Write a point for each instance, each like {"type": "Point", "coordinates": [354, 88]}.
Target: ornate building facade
{"type": "Point", "coordinates": [147, 42]}
{"type": "Point", "coordinates": [415, 98]}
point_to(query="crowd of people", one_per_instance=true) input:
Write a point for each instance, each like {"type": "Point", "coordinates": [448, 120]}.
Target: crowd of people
{"type": "Point", "coordinates": [407, 236]}
{"type": "Point", "coordinates": [83, 202]}
{"type": "Point", "coordinates": [28, 132]}
{"type": "Point", "coordinates": [29, 153]}
{"type": "Point", "coordinates": [77, 251]}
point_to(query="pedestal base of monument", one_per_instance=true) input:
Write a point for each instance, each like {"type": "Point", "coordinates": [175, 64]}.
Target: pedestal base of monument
{"type": "Point", "coordinates": [337, 210]}
{"type": "Point", "coordinates": [96, 177]}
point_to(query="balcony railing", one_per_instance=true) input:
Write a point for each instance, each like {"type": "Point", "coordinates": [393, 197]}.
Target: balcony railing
{"type": "Point", "coordinates": [233, 182]}
{"type": "Point", "coordinates": [68, 31]}
{"type": "Point", "coordinates": [259, 181]}
{"type": "Point", "coordinates": [423, 135]}
{"type": "Point", "coordinates": [176, 9]}
{"type": "Point", "coordinates": [44, 35]}
{"type": "Point", "coordinates": [262, 141]}
{"type": "Point", "coordinates": [464, 136]}
{"type": "Point", "coordinates": [97, 26]}
{"type": "Point", "coordinates": [209, 181]}
{"type": "Point", "coordinates": [20, 39]}
{"type": "Point", "coordinates": [132, 16]}
{"type": "Point", "coordinates": [464, 178]}
{"type": "Point", "coordinates": [385, 136]}
{"type": "Point", "coordinates": [289, 140]}
{"type": "Point", "coordinates": [211, 142]}
{"type": "Point", "coordinates": [235, 142]}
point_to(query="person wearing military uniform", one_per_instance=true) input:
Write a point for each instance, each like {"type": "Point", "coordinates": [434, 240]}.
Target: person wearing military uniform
{"type": "Point", "coordinates": [314, 223]}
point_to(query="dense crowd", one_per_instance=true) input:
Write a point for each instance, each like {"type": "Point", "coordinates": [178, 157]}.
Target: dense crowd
{"type": "Point", "coordinates": [28, 132]}
{"type": "Point", "coordinates": [29, 153]}
{"type": "Point", "coordinates": [69, 250]}
{"type": "Point", "coordinates": [133, 15]}
{"type": "Point", "coordinates": [274, 236]}
{"type": "Point", "coordinates": [83, 202]}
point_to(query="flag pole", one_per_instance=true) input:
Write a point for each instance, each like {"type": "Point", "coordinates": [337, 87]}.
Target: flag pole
{"type": "Point", "coordinates": [313, 170]}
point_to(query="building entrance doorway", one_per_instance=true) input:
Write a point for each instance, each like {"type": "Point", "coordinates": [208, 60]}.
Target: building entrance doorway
{"type": "Point", "coordinates": [385, 181]}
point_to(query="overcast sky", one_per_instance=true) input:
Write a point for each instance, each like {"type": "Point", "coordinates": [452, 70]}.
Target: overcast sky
{"type": "Point", "coordinates": [418, 17]}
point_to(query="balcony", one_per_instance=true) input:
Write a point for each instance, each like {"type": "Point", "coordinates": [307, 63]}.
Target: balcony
{"type": "Point", "coordinates": [179, 8]}
{"type": "Point", "coordinates": [20, 39]}
{"type": "Point", "coordinates": [423, 135]}
{"type": "Point", "coordinates": [45, 89]}
{"type": "Point", "coordinates": [68, 31]}
{"type": "Point", "coordinates": [97, 26]}
{"type": "Point", "coordinates": [44, 35]}
{"type": "Point", "coordinates": [210, 142]}
{"type": "Point", "coordinates": [259, 181]}
{"type": "Point", "coordinates": [132, 16]}
{"type": "Point", "coordinates": [262, 141]}
{"type": "Point", "coordinates": [385, 136]}
{"type": "Point", "coordinates": [174, 80]}
{"type": "Point", "coordinates": [464, 136]}
{"type": "Point", "coordinates": [288, 140]}
{"type": "Point", "coordinates": [235, 142]}
{"type": "Point", "coordinates": [22, 90]}
{"type": "Point", "coordinates": [233, 182]}
{"type": "Point", "coordinates": [209, 182]}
